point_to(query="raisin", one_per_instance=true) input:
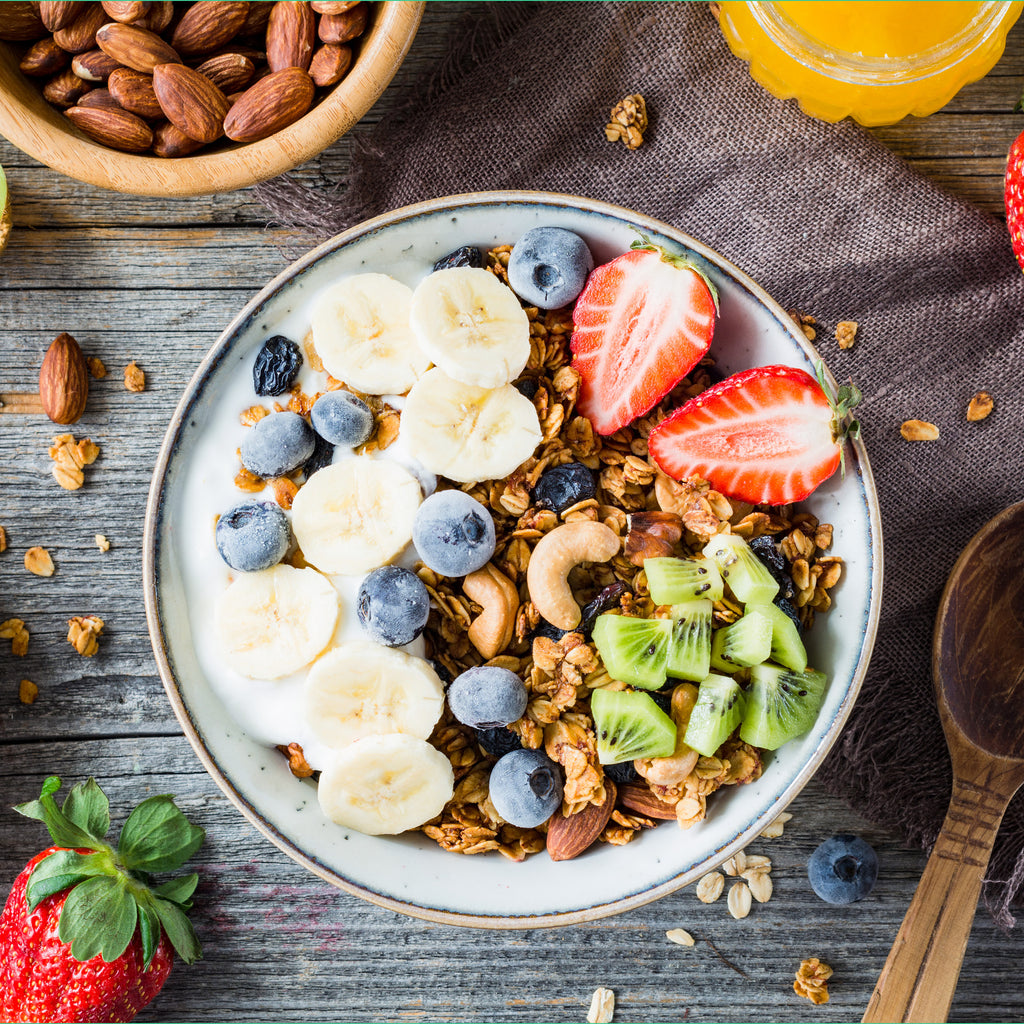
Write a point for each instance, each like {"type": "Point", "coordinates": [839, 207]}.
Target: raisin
{"type": "Point", "coordinates": [498, 742]}
{"type": "Point", "coordinates": [527, 386]}
{"type": "Point", "coordinates": [276, 367]}
{"type": "Point", "coordinates": [607, 598]}
{"type": "Point", "coordinates": [323, 455]}
{"type": "Point", "coordinates": [466, 256]}
{"type": "Point", "coordinates": [623, 773]}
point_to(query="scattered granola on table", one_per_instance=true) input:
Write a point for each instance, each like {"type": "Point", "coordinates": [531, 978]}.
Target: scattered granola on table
{"type": "Point", "coordinates": [919, 430]}
{"type": "Point", "coordinates": [96, 368]}
{"type": "Point", "coordinates": [15, 631]}
{"type": "Point", "coordinates": [3, 539]}
{"type": "Point", "coordinates": [38, 562]}
{"type": "Point", "coordinates": [602, 1007]}
{"type": "Point", "coordinates": [811, 980]}
{"type": "Point", "coordinates": [134, 378]}
{"type": "Point", "coordinates": [84, 632]}
{"type": "Point", "coordinates": [27, 691]}
{"type": "Point", "coordinates": [846, 333]}
{"type": "Point", "coordinates": [70, 457]}
{"type": "Point", "coordinates": [980, 406]}
{"type": "Point", "coordinates": [628, 122]}
{"type": "Point", "coordinates": [101, 542]}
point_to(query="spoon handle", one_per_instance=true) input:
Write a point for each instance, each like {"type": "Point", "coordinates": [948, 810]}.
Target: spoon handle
{"type": "Point", "coordinates": [919, 977]}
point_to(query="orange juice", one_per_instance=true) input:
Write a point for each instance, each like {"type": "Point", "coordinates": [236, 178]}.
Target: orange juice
{"type": "Point", "coordinates": [874, 60]}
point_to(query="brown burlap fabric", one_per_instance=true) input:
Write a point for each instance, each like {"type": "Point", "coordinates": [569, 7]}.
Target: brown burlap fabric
{"type": "Point", "coordinates": [827, 221]}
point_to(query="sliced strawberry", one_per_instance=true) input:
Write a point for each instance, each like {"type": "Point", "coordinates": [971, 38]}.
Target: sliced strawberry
{"type": "Point", "coordinates": [768, 435]}
{"type": "Point", "coordinates": [640, 325]}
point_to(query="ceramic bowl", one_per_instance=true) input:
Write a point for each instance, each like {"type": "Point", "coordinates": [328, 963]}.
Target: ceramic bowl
{"type": "Point", "coordinates": [410, 873]}
{"type": "Point", "coordinates": [42, 131]}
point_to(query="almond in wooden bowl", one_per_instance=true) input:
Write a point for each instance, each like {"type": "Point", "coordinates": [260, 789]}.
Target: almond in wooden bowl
{"type": "Point", "coordinates": [45, 133]}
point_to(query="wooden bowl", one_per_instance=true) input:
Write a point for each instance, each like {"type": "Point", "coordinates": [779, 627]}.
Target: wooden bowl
{"type": "Point", "coordinates": [42, 131]}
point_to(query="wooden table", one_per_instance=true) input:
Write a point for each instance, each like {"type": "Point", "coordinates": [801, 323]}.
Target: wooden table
{"type": "Point", "coordinates": [155, 281]}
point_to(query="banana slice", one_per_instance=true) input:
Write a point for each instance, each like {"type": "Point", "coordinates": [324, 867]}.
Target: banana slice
{"type": "Point", "coordinates": [361, 332]}
{"type": "Point", "coordinates": [383, 785]}
{"type": "Point", "coordinates": [355, 515]}
{"type": "Point", "coordinates": [363, 689]}
{"type": "Point", "coordinates": [471, 325]}
{"type": "Point", "coordinates": [272, 623]}
{"type": "Point", "coordinates": [464, 432]}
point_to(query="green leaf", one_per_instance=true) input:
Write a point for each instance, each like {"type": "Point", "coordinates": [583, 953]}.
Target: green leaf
{"type": "Point", "coordinates": [179, 930]}
{"type": "Point", "coordinates": [179, 890]}
{"type": "Point", "coordinates": [88, 807]}
{"type": "Point", "coordinates": [98, 918]}
{"type": "Point", "coordinates": [149, 928]}
{"type": "Point", "coordinates": [63, 831]}
{"type": "Point", "coordinates": [158, 837]}
{"type": "Point", "coordinates": [62, 870]}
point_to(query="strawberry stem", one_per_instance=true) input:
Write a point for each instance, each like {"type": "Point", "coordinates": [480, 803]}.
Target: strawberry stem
{"type": "Point", "coordinates": [846, 398]}
{"type": "Point", "coordinates": [678, 260]}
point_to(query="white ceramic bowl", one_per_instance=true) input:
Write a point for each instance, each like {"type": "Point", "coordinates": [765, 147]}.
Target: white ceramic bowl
{"type": "Point", "coordinates": [410, 873]}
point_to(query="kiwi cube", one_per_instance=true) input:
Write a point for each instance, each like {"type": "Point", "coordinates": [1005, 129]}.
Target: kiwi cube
{"type": "Point", "coordinates": [781, 704]}
{"type": "Point", "coordinates": [689, 653]}
{"type": "Point", "coordinates": [787, 647]}
{"type": "Point", "coordinates": [719, 709]}
{"type": "Point", "coordinates": [746, 642]}
{"type": "Point", "coordinates": [741, 569]}
{"type": "Point", "coordinates": [630, 725]}
{"type": "Point", "coordinates": [675, 580]}
{"type": "Point", "coordinates": [634, 650]}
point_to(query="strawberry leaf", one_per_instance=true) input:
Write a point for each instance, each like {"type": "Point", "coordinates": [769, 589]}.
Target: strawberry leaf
{"type": "Point", "coordinates": [179, 890]}
{"type": "Point", "coordinates": [179, 930]}
{"type": "Point", "coordinates": [62, 870]}
{"type": "Point", "coordinates": [846, 398]}
{"type": "Point", "coordinates": [63, 830]}
{"type": "Point", "coordinates": [88, 808]}
{"type": "Point", "coordinates": [149, 928]}
{"type": "Point", "coordinates": [98, 918]}
{"type": "Point", "coordinates": [158, 837]}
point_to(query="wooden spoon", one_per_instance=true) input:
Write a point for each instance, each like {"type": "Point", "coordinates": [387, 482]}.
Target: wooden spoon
{"type": "Point", "coordinates": [978, 667]}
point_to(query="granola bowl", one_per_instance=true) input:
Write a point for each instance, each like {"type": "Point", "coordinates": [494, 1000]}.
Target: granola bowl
{"type": "Point", "coordinates": [414, 873]}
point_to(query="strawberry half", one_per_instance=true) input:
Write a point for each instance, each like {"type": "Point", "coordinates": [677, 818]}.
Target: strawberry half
{"type": "Point", "coordinates": [1013, 197]}
{"type": "Point", "coordinates": [640, 325]}
{"type": "Point", "coordinates": [769, 435]}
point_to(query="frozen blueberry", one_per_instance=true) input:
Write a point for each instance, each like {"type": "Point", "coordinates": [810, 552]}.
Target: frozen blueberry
{"type": "Point", "coordinates": [277, 444]}
{"type": "Point", "coordinates": [622, 773]}
{"type": "Point", "coordinates": [464, 256]}
{"type": "Point", "coordinates": [393, 605]}
{"type": "Point", "coordinates": [843, 869]}
{"type": "Point", "coordinates": [498, 742]}
{"type": "Point", "coordinates": [453, 533]}
{"type": "Point", "coordinates": [526, 788]}
{"type": "Point", "coordinates": [486, 697]}
{"type": "Point", "coordinates": [342, 418]}
{"type": "Point", "coordinates": [253, 536]}
{"type": "Point", "coordinates": [276, 367]}
{"type": "Point", "coordinates": [549, 267]}
{"type": "Point", "coordinates": [564, 486]}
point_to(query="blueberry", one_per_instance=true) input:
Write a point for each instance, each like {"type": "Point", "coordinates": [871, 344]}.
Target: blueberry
{"type": "Point", "coordinates": [486, 697]}
{"type": "Point", "coordinates": [276, 367]}
{"type": "Point", "coordinates": [622, 773]}
{"type": "Point", "coordinates": [465, 256]}
{"type": "Point", "coordinates": [323, 455]}
{"type": "Point", "coordinates": [393, 605]}
{"type": "Point", "coordinates": [253, 536]}
{"type": "Point", "coordinates": [843, 869]}
{"type": "Point", "coordinates": [775, 562]}
{"type": "Point", "coordinates": [549, 267]}
{"type": "Point", "coordinates": [453, 533]}
{"type": "Point", "coordinates": [526, 788]}
{"type": "Point", "coordinates": [341, 418]}
{"type": "Point", "coordinates": [564, 486]}
{"type": "Point", "coordinates": [277, 444]}
{"type": "Point", "coordinates": [498, 742]}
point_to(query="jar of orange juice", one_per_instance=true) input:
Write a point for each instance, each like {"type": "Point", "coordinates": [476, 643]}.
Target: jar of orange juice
{"type": "Point", "coordinates": [873, 60]}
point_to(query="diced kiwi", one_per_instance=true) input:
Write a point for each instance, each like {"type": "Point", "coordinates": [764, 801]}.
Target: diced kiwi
{"type": "Point", "coordinates": [629, 725]}
{"type": "Point", "coordinates": [745, 573]}
{"type": "Point", "coordinates": [781, 704]}
{"type": "Point", "coordinates": [689, 652]}
{"type": "Point", "coordinates": [675, 580]}
{"type": "Point", "coordinates": [746, 642]}
{"type": "Point", "coordinates": [634, 650]}
{"type": "Point", "coordinates": [787, 647]}
{"type": "Point", "coordinates": [719, 709]}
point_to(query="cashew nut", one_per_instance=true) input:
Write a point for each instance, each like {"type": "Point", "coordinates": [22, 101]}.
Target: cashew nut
{"type": "Point", "coordinates": [491, 631]}
{"type": "Point", "coordinates": [674, 769]}
{"type": "Point", "coordinates": [554, 556]}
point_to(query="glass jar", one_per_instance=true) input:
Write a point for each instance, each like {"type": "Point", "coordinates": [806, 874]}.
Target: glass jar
{"type": "Point", "coordinates": [874, 60]}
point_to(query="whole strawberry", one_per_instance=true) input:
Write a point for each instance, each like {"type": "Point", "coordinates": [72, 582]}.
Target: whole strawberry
{"type": "Point", "coordinates": [85, 935]}
{"type": "Point", "coordinates": [1013, 196]}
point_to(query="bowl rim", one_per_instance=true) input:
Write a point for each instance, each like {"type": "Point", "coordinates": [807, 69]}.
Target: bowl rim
{"type": "Point", "coordinates": [150, 557]}
{"type": "Point", "coordinates": [75, 155]}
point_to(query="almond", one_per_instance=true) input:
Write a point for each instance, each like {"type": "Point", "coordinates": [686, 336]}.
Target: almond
{"type": "Point", "coordinates": [256, 20]}
{"type": "Point", "coordinates": [271, 104]}
{"type": "Point", "coordinates": [569, 837]}
{"type": "Point", "coordinates": [190, 101]}
{"type": "Point", "coordinates": [80, 35]}
{"type": "Point", "coordinates": [100, 98]}
{"type": "Point", "coordinates": [20, 22]}
{"type": "Point", "coordinates": [640, 799]}
{"type": "Point", "coordinates": [58, 14]}
{"type": "Point", "coordinates": [333, 6]}
{"type": "Point", "coordinates": [291, 33]}
{"type": "Point", "coordinates": [127, 12]}
{"type": "Point", "coordinates": [342, 28]}
{"type": "Point", "coordinates": [44, 58]}
{"type": "Point", "coordinates": [169, 141]}
{"type": "Point", "coordinates": [64, 380]}
{"type": "Point", "coordinates": [329, 64]}
{"type": "Point", "coordinates": [207, 25]}
{"type": "Point", "coordinates": [94, 66]}
{"type": "Point", "coordinates": [135, 47]}
{"type": "Point", "coordinates": [115, 128]}
{"type": "Point", "coordinates": [158, 17]}
{"type": "Point", "coordinates": [134, 91]}
{"type": "Point", "coordinates": [230, 72]}
{"type": "Point", "coordinates": [65, 89]}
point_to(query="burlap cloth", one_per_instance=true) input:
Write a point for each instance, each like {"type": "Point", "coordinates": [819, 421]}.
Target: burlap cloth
{"type": "Point", "coordinates": [828, 221]}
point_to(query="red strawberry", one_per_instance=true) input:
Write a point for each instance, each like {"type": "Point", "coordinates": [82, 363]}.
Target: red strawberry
{"type": "Point", "coordinates": [640, 325]}
{"type": "Point", "coordinates": [83, 935]}
{"type": "Point", "coordinates": [768, 435]}
{"type": "Point", "coordinates": [1013, 196]}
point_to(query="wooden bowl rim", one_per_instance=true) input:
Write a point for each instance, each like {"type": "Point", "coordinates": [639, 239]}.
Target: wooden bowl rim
{"type": "Point", "coordinates": [31, 124]}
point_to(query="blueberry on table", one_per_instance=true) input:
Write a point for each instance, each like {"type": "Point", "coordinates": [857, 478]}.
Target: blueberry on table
{"type": "Point", "coordinates": [342, 418]}
{"type": "Point", "coordinates": [843, 869]}
{"type": "Point", "coordinates": [526, 788]}
{"type": "Point", "coordinates": [464, 256]}
{"type": "Point", "coordinates": [276, 367]}
{"type": "Point", "coordinates": [393, 606]}
{"type": "Point", "coordinates": [253, 536]}
{"type": "Point", "coordinates": [498, 742]}
{"type": "Point", "coordinates": [453, 533]}
{"type": "Point", "coordinates": [548, 267]}
{"type": "Point", "coordinates": [277, 444]}
{"type": "Point", "coordinates": [564, 486]}
{"type": "Point", "coordinates": [486, 697]}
